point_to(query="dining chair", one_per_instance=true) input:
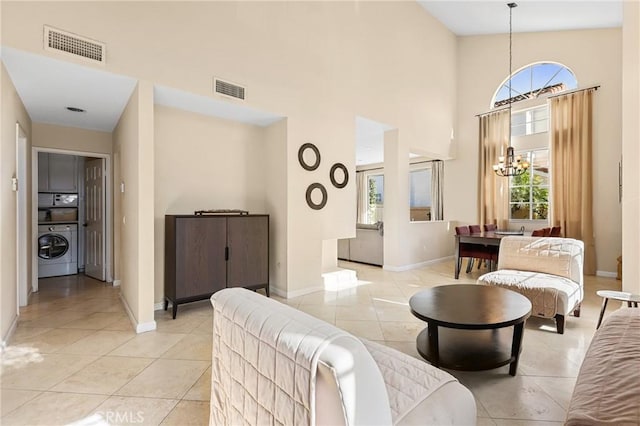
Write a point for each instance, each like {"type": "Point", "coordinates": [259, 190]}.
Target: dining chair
{"type": "Point", "coordinates": [475, 229]}
{"type": "Point", "coordinates": [542, 232]}
{"type": "Point", "coordinates": [466, 250]}
{"type": "Point", "coordinates": [462, 230]}
{"type": "Point", "coordinates": [490, 227]}
{"type": "Point", "coordinates": [556, 231]}
{"type": "Point", "coordinates": [474, 251]}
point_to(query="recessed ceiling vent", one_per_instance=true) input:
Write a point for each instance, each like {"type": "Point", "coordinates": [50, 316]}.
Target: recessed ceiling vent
{"type": "Point", "coordinates": [74, 45]}
{"type": "Point", "coordinates": [226, 88]}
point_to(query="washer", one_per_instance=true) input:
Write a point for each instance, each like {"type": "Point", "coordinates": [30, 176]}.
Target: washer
{"type": "Point", "coordinates": [57, 250]}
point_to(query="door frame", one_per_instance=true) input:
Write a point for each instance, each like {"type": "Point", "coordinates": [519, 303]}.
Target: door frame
{"type": "Point", "coordinates": [107, 207]}
{"type": "Point", "coordinates": [22, 219]}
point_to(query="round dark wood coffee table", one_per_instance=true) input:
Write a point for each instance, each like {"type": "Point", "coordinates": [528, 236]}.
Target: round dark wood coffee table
{"type": "Point", "coordinates": [468, 326]}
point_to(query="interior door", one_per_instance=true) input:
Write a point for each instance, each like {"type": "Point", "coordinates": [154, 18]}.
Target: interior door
{"type": "Point", "coordinates": [94, 219]}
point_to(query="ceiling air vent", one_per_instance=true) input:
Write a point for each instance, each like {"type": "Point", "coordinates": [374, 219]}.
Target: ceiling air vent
{"type": "Point", "coordinates": [228, 89]}
{"type": "Point", "coordinates": [74, 45]}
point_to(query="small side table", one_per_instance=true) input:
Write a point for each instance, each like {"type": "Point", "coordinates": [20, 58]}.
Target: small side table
{"type": "Point", "coordinates": [631, 299]}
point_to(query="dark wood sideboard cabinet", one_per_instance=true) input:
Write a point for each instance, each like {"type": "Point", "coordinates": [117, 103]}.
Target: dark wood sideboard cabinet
{"type": "Point", "coordinates": [206, 253]}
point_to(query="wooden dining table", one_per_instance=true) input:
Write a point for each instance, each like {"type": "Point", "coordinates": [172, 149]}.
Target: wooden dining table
{"type": "Point", "coordinates": [485, 238]}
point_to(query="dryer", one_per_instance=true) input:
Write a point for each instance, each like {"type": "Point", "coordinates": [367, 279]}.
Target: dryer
{"type": "Point", "coordinates": [57, 250]}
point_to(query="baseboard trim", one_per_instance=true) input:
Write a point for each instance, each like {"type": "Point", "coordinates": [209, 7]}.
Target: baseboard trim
{"type": "Point", "coordinates": [116, 283]}
{"type": "Point", "coordinates": [607, 274]}
{"type": "Point", "coordinates": [415, 265]}
{"type": "Point", "coordinates": [146, 326]}
{"type": "Point", "coordinates": [296, 293]}
{"type": "Point", "coordinates": [137, 326]}
{"type": "Point", "coordinates": [6, 337]}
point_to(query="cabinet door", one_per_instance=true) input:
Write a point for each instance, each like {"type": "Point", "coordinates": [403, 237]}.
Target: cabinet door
{"type": "Point", "coordinates": [63, 173]}
{"type": "Point", "coordinates": [43, 172]}
{"type": "Point", "coordinates": [200, 264]}
{"type": "Point", "coordinates": [248, 241]}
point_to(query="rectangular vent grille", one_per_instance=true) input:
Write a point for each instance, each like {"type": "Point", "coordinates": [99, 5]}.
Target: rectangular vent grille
{"type": "Point", "coordinates": [73, 44]}
{"type": "Point", "coordinates": [229, 89]}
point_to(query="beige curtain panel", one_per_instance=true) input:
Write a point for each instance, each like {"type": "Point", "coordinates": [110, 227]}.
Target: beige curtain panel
{"type": "Point", "coordinates": [493, 190]}
{"type": "Point", "coordinates": [437, 193]}
{"type": "Point", "coordinates": [362, 196]}
{"type": "Point", "coordinates": [571, 170]}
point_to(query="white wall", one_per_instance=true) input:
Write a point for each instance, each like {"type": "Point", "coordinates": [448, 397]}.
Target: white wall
{"type": "Point", "coordinates": [224, 168]}
{"type": "Point", "coordinates": [11, 111]}
{"type": "Point", "coordinates": [595, 56]}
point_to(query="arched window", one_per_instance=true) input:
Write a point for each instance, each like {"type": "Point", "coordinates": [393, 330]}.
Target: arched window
{"type": "Point", "coordinates": [533, 81]}
{"type": "Point", "coordinates": [529, 193]}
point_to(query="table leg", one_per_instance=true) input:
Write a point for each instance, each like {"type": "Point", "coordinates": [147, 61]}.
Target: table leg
{"type": "Point", "coordinates": [432, 332]}
{"type": "Point", "coordinates": [604, 306]}
{"type": "Point", "coordinates": [457, 259]}
{"type": "Point", "coordinates": [518, 332]}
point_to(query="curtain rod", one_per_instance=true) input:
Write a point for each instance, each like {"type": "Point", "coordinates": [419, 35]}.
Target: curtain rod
{"type": "Point", "coordinates": [548, 97]}
{"type": "Point", "coordinates": [368, 170]}
{"type": "Point", "coordinates": [492, 111]}
{"type": "Point", "coordinates": [574, 91]}
{"type": "Point", "coordinates": [423, 161]}
{"type": "Point", "coordinates": [410, 163]}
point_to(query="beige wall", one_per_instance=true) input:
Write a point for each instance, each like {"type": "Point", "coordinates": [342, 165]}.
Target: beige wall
{"type": "Point", "coordinates": [133, 208]}
{"type": "Point", "coordinates": [630, 149]}
{"type": "Point", "coordinates": [11, 111]}
{"type": "Point", "coordinates": [595, 56]}
{"type": "Point", "coordinates": [225, 169]}
{"type": "Point", "coordinates": [275, 138]}
{"type": "Point", "coordinates": [126, 157]}
{"type": "Point", "coordinates": [71, 138]}
{"type": "Point", "coordinates": [338, 56]}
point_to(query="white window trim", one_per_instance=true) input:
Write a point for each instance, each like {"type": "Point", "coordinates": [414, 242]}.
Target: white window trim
{"type": "Point", "coordinates": [532, 221]}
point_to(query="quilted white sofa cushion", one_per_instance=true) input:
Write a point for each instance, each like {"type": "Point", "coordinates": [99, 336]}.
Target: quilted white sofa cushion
{"type": "Point", "coordinates": [265, 362]}
{"type": "Point", "coordinates": [272, 365]}
{"type": "Point", "coordinates": [550, 294]}
{"type": "Point", "coordinates": [420, 394]}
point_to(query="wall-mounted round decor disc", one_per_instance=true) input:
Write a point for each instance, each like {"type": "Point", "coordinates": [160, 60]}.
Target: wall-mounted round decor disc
{"type": "Point", "coordinates": [323, 191]}
{"type": "Point", "coordinates": [303, 162]}
{"type": "Point", "coordinates": [332, 175]}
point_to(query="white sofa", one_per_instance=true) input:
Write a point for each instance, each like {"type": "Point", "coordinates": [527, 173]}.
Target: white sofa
{"type": "Point", "coordinates": [273, 364]}
{"type": "Point", "coordinates": [548, 271]}
{"type": "Point", "coordinates": [366, 247]}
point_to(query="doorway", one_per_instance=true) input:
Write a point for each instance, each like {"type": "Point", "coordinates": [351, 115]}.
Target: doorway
{"type": "Point", "coordinates": [93, 211]}
{"type": "Point", "coordinates": [22, 249]}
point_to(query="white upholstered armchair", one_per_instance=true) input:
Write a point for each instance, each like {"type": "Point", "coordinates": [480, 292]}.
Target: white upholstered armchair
{"type": "Point", "coordinates": [548, 271]}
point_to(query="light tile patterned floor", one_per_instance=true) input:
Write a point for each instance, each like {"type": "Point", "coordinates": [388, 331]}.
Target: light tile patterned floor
{"type": "Point", "coordinates": [74, 354]}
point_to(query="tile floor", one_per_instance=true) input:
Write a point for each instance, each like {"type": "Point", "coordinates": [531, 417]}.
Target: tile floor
{"type": "Point", "coordinates": [74, 356]}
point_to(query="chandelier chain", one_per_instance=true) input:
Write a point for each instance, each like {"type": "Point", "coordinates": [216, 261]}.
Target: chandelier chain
{"type": "Point", "coordinates": [511, 164]}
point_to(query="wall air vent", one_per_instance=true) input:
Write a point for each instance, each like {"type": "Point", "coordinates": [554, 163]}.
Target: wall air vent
{"type": "Point", "coordinates": [226, 88]}
{"type": "Point", "coordinates": [74, 45]}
